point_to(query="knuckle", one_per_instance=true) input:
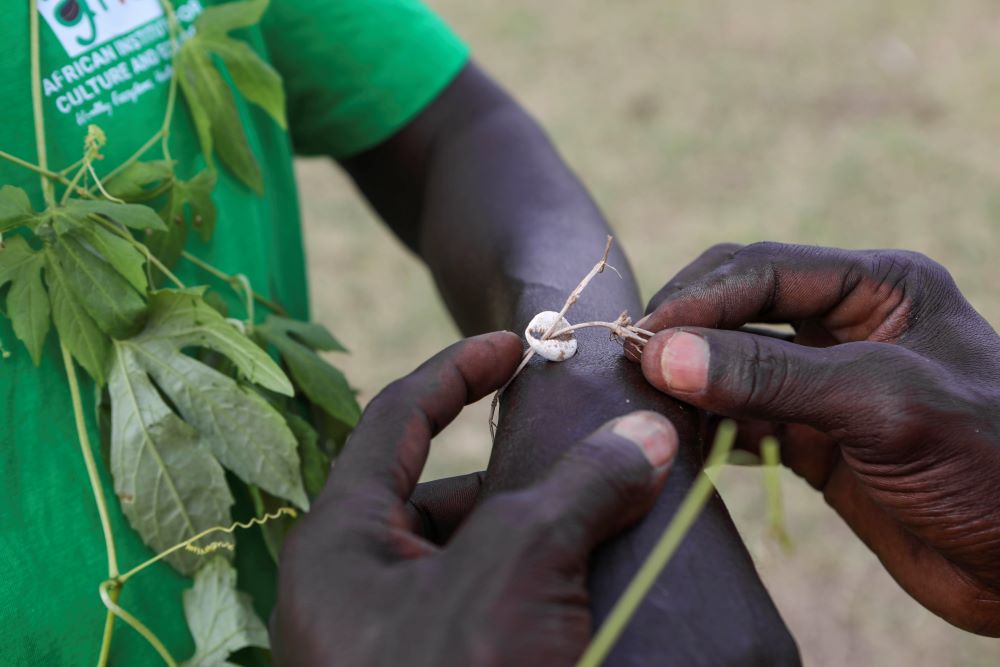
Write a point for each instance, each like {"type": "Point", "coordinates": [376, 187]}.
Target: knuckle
{"type": "Point", "coordinates": [906, 395]}
{"type": "Point", "coordinates": [761, 249]}
{"type": "Point", "coordinates": [724, 250]}
{"type": "Point", "coordinates": [763, 377]}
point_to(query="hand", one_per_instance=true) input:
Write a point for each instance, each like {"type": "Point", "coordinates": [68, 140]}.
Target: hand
{"type": "Point", "coordinates": [360, 585]}
{"type": "Point", "coordinates": [709, 606]}
{"type": "Point", "coordinates": [887, 399]}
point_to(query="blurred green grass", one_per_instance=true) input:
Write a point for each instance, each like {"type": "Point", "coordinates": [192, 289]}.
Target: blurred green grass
{"type": "Point", "coordinates": [855, 124]}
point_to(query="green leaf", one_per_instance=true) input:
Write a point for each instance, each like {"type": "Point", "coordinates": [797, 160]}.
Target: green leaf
{"type": "Point", "coordinates": [27, 302]}
{"type": "Point", "coordinates": [142, 181]}
{"type": "Point", "coordinates": [257, 81]}
{"type": "Point", "coordinates": [314, 462]}
{"type": "Point", "coordinates": [192, 200]}
{"type": "Point", "coordinates": [169, 486]}
{"type": "Point", "coordinates": [213, 109]}
{"type": "Point", "coordinates": [119, 253]}
{"type": "Point", "coordinates": [183, 319]}
{"type": "Point", "coordinates": [15, 208]}
{"type": "Point", "coordinates": [76, 328]}
{"type": "Point", "coordinates": [29, 310]}
{"type": "Point", "coordinates": [322, 383]}
{"type": "Point", "coordinates": [106, 296]}
{"type": "Point", "coordinates": [191, 69]}
{"type": "Point", "coordinates": [135, 216]}
{"type": "Point", "coordinates": [220, 19]}
{"type": "Point", "coordinates": [189, 202]}
{"type": "Point", "coordinates": [15, 255]}
{"type": "Point", "coordinates": [311, 334]}
{"type": "Point", "coordinates": [221, 618]}
{"type": "Point", "coordinates": [234, 423]}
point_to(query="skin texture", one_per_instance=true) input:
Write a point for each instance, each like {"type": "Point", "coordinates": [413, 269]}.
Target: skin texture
{"type": "Point", "coordinates": [474, 186]}
{"type": "Point", "coordinates": [885, 399]}
{"type": "Point", "coordinates": [362, 582]}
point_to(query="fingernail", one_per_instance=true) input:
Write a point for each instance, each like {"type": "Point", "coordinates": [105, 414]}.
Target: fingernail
{"type": "Point", "coordinates": [684, 362]}
{"type": "Point", "coordinates": [642, 322]}
{"type": "Point", "coordinates": [653, 433]}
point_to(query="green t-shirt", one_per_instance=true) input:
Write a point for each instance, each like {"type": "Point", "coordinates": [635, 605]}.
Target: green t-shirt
{"type": "Point", "coordinates": [355, 72]}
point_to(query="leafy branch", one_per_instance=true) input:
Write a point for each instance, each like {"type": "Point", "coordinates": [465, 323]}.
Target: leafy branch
{"type": "Point", "coordinates": [190, 393]}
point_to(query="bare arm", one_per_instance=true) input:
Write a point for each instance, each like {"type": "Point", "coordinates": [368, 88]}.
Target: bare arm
{"type": "Point", "coordinates": [475, 187]}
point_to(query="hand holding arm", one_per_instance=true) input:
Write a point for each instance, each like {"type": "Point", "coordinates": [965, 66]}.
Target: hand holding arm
{"type": "Point", "coordinates": [360, 584]}
{"type": "Point", "coordinates": [474, 185]}
{"type": "Point", "coordinates": [887, 399]}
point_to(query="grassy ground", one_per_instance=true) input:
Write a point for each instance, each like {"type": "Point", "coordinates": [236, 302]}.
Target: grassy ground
{"type": "Point", "coordinates": [854, 123]}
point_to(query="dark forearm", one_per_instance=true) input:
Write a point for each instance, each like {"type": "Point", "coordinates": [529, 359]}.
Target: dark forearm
{"type": "Point", "coordinates": [480, 193]}
{"type": "Point", "coordinates": [477, 189]}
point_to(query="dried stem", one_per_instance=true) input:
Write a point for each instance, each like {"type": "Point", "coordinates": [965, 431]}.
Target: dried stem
{"type": "Point", "coordinates": [622, 328]}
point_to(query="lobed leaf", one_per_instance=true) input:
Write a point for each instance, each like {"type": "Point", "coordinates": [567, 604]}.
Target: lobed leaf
{"type": "Point", "coordinates": [220, 19]}
{"type": "Point", "coordinates": [195, 196]}
{"type": "Point", "coordinates": [314, 462]}
{"type": "Point", "coordinates": [104, 293]}
{"type": "Point", "coordinates": [312, 334]}
{"type": "Point", "coordinates": [257, 81]}
{"type": "Point", "coordinates": [27, 302]}
{"type": "Point", "coordinates": [15, 255]}
{"type": "Point", "coordinates": [169, 486]}
{"type": "Point", "coordinates": [213, 109]}
{"type": "Point", "coordinates": [119, 253]}
{"type": "Point", "coordinates": [142, 180]}
{"type": "Point", "coordinates": [182, 318]}
{"type": "Point", "coordinates": [235, 424]}
{"type": "Point", "coordinates": [15, 208]}
{"type": "Point", "coordinates": [77, 330]}
{"type": "Point", "coordinates": [221, 618]}
{"type": "Point", "coordinates": [322, 383]}
{"type": "Point", "coordinates": [134, 216]}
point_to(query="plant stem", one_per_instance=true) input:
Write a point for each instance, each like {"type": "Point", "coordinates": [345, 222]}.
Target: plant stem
{"type": "Point", "coordinates": [132, 158]}
{"type": "Point", "coordinates": [770, 453]}
{"type": "Point", "coordinates": [228, 530]}
{"type": "Point", "coordinates": [36, 102]}
{"type": "Point", "coordinates": [109, 628]}
{"type": "Point", "coordinates": [72, 184]}
{"type": "Point", "coordinates": [95, 485]}
{"type": "Point", "coordinates": [234, 281]}
{"type": "Point", "coordinates": [174, 27]}
{"type": "Point", "coordinates": [55, 176]}
{"type": "Point", "coordinates": [88, 459]}
{"type": "Point", "coordinates": [666, 546]}
{"type": "Point", "coordinates": [136, 624]}
{"type": "Point", "coordinates": [141, 247]}
{"type": "Point", "coordinates": [27, 165]}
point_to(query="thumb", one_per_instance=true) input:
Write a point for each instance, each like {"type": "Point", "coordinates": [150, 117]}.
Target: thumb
{"type": "Point", "coordinates": [606, 481]}
{"type": "Point", "coordinates": [748, 376]}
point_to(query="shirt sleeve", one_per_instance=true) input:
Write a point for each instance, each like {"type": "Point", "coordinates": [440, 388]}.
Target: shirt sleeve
{"type": "Point", "coordinates": [356, 71]}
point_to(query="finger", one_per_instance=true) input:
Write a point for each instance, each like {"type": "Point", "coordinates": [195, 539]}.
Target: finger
{"type": "Point", "coordinates": [707, 262]}
{"type": "Point", "coordinates": [600, 485]}
{"type": "Point", "coordinates": [385, 454]}
{"type": "Point", "coordinates": [858, 294]}
{"type": "Point", "coordinates": [850, 388]}
{"type": "Point", "coordinates": [438, 508]}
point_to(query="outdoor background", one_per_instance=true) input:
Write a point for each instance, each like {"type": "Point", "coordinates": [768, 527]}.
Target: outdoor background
{"type": "Point", "coordinates": [857, 123]}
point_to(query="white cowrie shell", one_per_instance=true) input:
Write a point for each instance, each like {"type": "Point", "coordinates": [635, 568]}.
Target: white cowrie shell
{"type": "Point", "coordinates": [554, 349]}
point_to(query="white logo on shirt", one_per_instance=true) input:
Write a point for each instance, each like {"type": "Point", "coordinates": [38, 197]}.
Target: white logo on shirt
{"type": "Point", "coordinates": [82, 25]}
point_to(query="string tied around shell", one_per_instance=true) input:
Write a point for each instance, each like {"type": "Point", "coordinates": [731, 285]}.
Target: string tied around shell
{"type": "Point", "coordinates": [551, 336]}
